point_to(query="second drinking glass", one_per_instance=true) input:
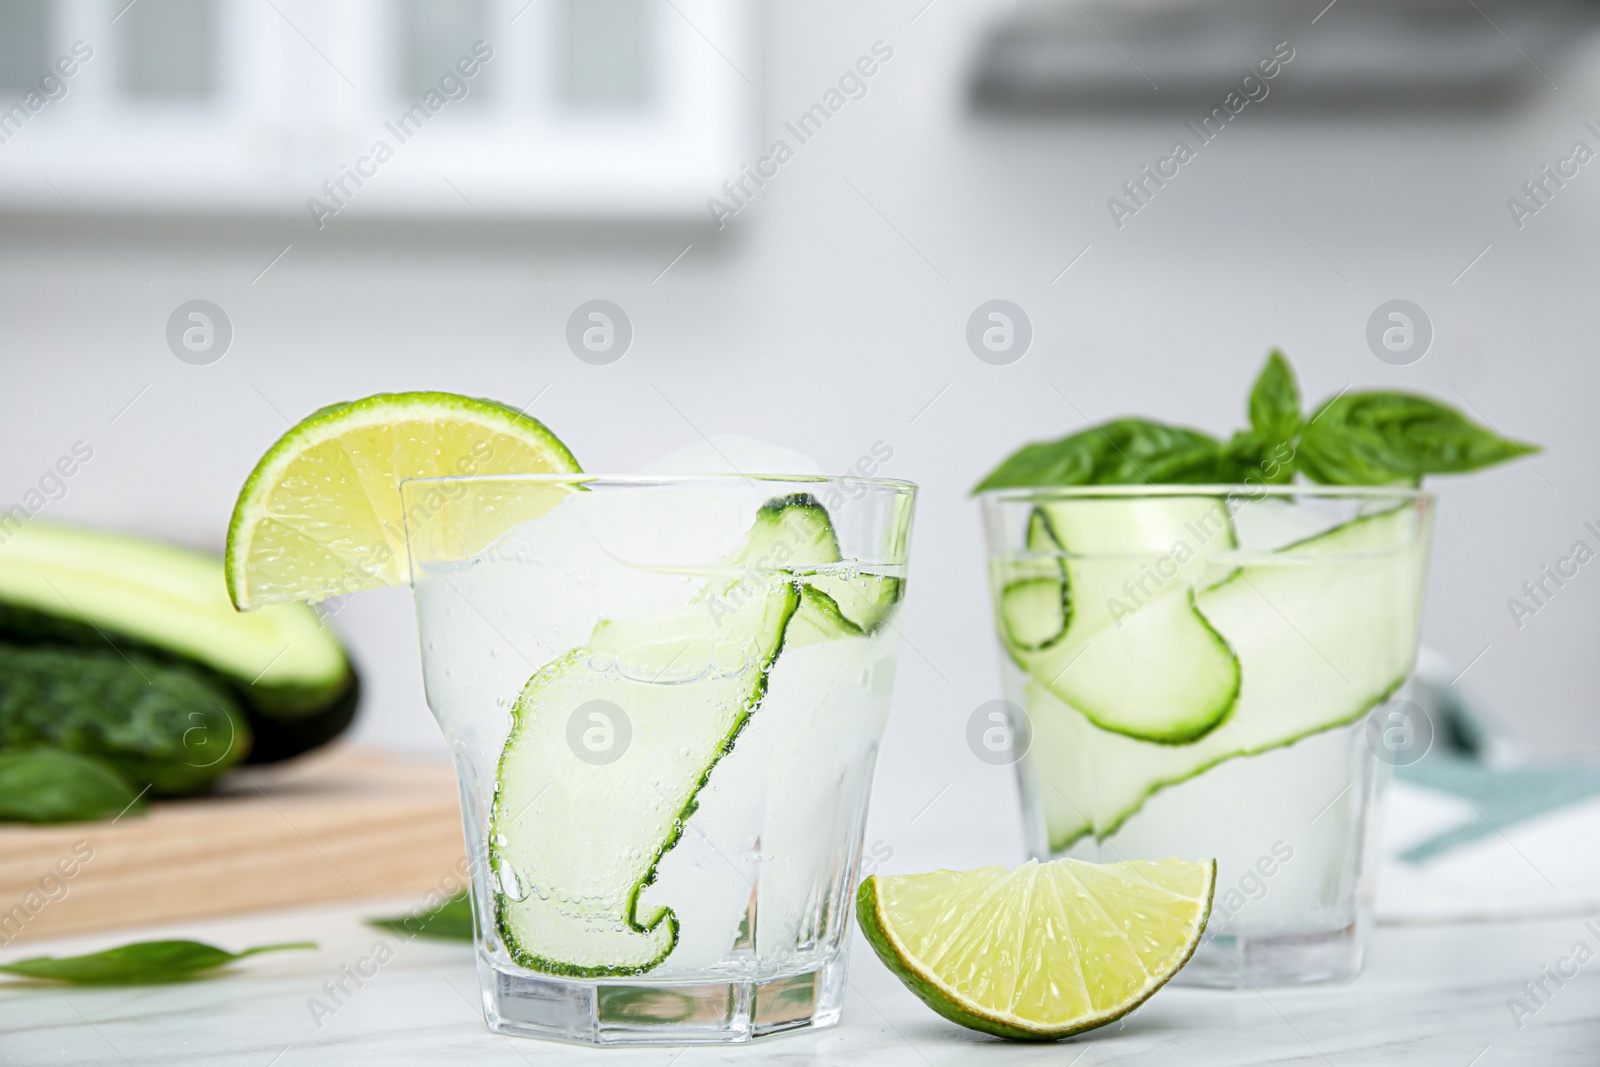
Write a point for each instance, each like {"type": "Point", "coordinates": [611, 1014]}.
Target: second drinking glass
{"type": "Point", "coordinates": [1192, 671]}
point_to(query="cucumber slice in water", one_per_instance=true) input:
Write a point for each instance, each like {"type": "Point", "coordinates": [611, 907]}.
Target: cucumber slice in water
{"type": "Point", "coordinates": [839, 604]}
{"type": "Point", "coordinates": [1324, 631]}
{"type": "Point", "coordinates": [1035, 596]}
{"type": "Point", "coordinates": [1118, 635]}
{"type": "Point", "coordinates": [576, 834]}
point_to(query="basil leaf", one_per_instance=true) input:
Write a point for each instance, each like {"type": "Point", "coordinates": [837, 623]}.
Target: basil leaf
{"type": "Point", "coordinates": [140, 963]}
{"type": "Point", "coordinates": [1386, 438]}
{"type": "Point", "coordinates": [1262, 462]}
{"type": "Point", "coordinates": [47, 785]}
{"type": "Point", "coordinates": [450, 921]}
{"type": "Point", "coordinates": [1120, 452]}
{"type": "Point", "coordinates": [1275, 402]}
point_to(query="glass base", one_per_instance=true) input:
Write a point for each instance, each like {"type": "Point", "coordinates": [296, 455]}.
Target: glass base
{"type": "Point", "coordinates": [1240, 961]}
{"type": "Point", "coordinates": [619, 1012]}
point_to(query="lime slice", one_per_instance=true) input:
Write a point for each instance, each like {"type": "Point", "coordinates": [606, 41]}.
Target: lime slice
{"type": "Point", "coordinates": [321, 514]}
{"type": "Point", "coordinates": [1041, 952]}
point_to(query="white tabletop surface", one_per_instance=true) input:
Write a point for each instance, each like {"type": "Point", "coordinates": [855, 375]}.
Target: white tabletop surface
{"type": "Point", "coordinates": [1431, 994]}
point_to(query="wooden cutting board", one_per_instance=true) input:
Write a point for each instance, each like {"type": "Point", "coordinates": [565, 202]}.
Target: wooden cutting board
{"type": "Point", "coordinates": [345, 822]}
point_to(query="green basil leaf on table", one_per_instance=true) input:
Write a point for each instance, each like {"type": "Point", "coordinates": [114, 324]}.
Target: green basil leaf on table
{"type": "Point", "coordinates": [1388, 438]}
{"type": "Point", "coordinates": [47, 785]}
{"type": "Point", "coordinates": [1275, 402]}
{"type": "Point", "coordinates": [139, 963]}
{"type": "Point", "coordinates": [450, 921]}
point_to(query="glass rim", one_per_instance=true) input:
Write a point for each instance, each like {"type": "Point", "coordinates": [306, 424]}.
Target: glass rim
{"type": "Point", "coordinates": [647, 480]}
{"type": "Point", "coordinates": [1004, 494]}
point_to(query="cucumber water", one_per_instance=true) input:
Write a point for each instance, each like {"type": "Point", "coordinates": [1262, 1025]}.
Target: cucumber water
{"type": "Point", "coordinates": [576, 839]}
{"type": "Point", "coordinates": [1101, 609]}
{"type": "Point", "coordinates": [1323, 629]}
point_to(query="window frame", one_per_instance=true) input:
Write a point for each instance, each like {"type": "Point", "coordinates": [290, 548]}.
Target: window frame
{"type": "Point", "coordinates": [305, 91]}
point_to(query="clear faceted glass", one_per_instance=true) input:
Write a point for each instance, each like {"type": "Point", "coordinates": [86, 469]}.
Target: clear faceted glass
{"type": "Point", "coordinates": [672, 858]}
{"type": "Point", "coordinates": [1129, 741]}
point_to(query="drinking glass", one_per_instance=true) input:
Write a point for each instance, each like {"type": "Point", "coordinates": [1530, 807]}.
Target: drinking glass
{"type": "Point", "coordinates": [1216, 671]}
{"type": "Point", "coordinates": [664, 698]}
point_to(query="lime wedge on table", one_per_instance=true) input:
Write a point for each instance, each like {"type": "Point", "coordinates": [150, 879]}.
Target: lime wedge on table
{"type": "Point", "coordinates": [321, 513]}
{"type": "Point", "coordinates": [1043, 951]}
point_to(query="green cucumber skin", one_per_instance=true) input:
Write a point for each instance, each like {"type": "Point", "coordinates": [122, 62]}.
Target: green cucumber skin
{"type": "Point", "coordinates": [1015, 588]}
{"type": "Point", "coordinates": [280, 739]}
{"type": "Point", "coordinates": [1101, 835]}
{"type": "Point", "coordinates": [1043, 536]}
{"type": "Point", "coordinates": [1176, 736]}
{"type": "Point", "coordinates": [823, 613]}
{"type": "Point", "coordinates": [160, 568]}
{"type": "Point", "coordinates": [131, 711]}
{"type": "Point", "coordinates": [538, 963]}
{"type": "Point", "coordinates": [287, 721]}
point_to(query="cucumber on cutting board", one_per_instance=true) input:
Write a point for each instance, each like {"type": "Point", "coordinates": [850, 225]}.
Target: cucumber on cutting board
{"type": "Point", "coordinates": [72, 586]}
{"type": "Point", "coordinates": [163, 725]}
{"type": "Point", "coordinates": [1325, 630]}
{"type": "Point", "coordinates": [574, 841]}
{"type": "Point", "coordinates": [1101, 613]}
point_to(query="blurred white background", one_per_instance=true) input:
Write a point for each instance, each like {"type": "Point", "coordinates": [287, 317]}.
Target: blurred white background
{"type": "Point", "coordinates": [829, 314]}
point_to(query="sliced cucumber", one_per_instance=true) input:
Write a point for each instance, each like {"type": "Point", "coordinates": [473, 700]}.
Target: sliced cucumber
{"type": "Point", "coordinates": [574, 840]}
{"type": "Point", "coordinates": [1035, 598]}
{"type": "Point", "coordinates": [1118, 635]}
{"type": "Point", "coordinates": [576, 835]}
{"type": "Point", "coordinates": [864, 599]}
{"type": "Point", "coordinates": [836, 605]}
{"type": "Point", "coordinates": [1033, 612]}
{"type": "Point", "coordinates": [1324, 631]}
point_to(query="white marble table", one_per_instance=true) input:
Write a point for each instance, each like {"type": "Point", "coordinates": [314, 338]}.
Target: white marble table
{"type": "Point", "coordinates": [1432, 995]}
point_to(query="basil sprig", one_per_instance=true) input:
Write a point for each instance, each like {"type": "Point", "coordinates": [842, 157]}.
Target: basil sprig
{"type": "Point", "coordinates": [1365, 438]}
{"type": "Point", "coordinates": [450, 921]}
{"type": "Point", "coordinates": [139, 963]}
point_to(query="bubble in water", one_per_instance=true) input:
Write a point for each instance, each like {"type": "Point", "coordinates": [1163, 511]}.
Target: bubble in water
{"type": "Point", "coordinates": [511, 885]}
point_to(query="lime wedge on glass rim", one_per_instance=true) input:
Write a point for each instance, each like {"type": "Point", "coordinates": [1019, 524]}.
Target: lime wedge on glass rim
{"type": "Point", "coordinates": [321, 514]}
{"type": "Point", "coordinates": [1043, 951]}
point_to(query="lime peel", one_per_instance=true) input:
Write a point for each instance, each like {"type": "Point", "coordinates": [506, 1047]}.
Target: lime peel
{"type": "Point", "coordinates": [1041, 952]}
{"type": "Point", "coordinates": [320, 515]}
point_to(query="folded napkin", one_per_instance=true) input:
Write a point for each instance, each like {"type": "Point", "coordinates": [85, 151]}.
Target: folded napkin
{"type": "Point", "coordinates": [1474, 831]}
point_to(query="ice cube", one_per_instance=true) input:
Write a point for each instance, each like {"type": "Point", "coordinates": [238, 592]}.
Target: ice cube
{"type": "Point", "coordinates": [731, 453]}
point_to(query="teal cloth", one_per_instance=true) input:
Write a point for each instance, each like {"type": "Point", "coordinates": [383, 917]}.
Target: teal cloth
{"type": "Point", "coordinates": [1502, 797]}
